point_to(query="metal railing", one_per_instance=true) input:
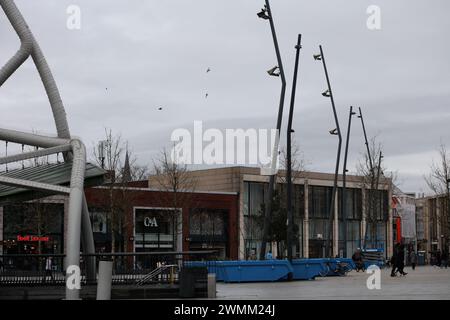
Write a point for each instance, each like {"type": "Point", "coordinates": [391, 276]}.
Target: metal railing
{"type": "Point", "coordinates": [139, 268]}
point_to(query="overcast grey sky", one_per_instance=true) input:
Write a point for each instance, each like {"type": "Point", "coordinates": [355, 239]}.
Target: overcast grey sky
{"type": "Point", "coordinates": [155, 53]}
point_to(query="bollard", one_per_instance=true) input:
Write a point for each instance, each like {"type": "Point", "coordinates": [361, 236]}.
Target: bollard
{"type": "Point", "coordinates": [211, 285]}
{"type": "Point", "coordinates": [104, 280]}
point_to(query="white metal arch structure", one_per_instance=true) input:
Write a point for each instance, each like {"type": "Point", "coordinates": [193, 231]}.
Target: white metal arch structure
{"type": "Point", "coordinates": [74, 149]}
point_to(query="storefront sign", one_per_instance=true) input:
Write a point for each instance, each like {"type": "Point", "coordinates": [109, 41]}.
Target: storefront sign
{"type": "Point", "coordinates": [33, 238]}
{"type": "Point", "coordinates": [150, 222]}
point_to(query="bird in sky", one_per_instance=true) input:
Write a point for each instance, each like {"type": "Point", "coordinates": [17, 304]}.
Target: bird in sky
{"type": "Point", "coordinates": [206, 95]}
{"type": "Point", "coordinates": [208, 70]}
{"type": "Point", "coordinates": [160, 108]}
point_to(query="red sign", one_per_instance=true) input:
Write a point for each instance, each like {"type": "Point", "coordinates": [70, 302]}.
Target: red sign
{"type": "Point", "coordinates": [33, 238]}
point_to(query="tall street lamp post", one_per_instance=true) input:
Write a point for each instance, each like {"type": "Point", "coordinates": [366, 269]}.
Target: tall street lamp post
{"type": "Point", "coordinates": [266, 14]}
{"type": "Point", "coordinates": [344, 175]}
{"type": "Point", "coordinates": [336, 131]}
{"type": "Point", "coordinates": [290, 216]}
{"type": "Point", "coordinates": [369, 156]}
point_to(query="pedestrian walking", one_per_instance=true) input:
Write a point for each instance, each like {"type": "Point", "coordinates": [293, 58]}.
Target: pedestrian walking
{"type": "Point", "coordinates": [438, 259]}
{"type": "Point", "coordinates": [413, 259]}
{"type": "Point", "coordinates": [48, 269]}
{"type": "Point", "coordinates": [401, 260]}
{"type": "Point", "coordinates": [394, 259]}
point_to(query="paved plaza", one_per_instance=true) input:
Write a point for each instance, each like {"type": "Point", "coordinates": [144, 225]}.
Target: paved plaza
{"type": "Point", "coordinates": [423, 283]}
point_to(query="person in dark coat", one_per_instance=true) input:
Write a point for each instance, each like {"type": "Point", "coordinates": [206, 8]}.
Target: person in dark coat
{"type": "Point", "coordinates": [413, 259]}
{"type": "Point", "coordinates": [394, 260]}
{"type": "Point", "coordinates": [358, 260]}
{"type": "Point", "coordinates": [401, 260]}
{"type": "Point", "coordinates": [444, 259]}
{"type": "Point", "coordinates": [438, 258]}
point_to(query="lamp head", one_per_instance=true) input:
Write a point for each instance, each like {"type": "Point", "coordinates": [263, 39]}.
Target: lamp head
{"type": "Point", "coordinates": [326, 93]}
{"type": "Point", "coordinates": [334, 131]}
{"type": "Point", "coordinates": [263, 14]}
{"type": "Point", "coordinates": [273, 72]}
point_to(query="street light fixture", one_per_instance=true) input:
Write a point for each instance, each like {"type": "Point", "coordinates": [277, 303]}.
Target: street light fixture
{"type": "Point", "coordinates": [333, 131]}
{"type": "Point", "coordinates": [337, 131]}
{"type": "Point", "coordinates": [266, 14]}
{"type": "Point", "coordinates": [372, 173]}
{"type": "Point", "coordinates": [273, 72]}
{"type": "Point", "coordinates": [290, 215]}
{"type": "Point", "coordinates": [317, 57]}
{"type": "Point", "coordinates": [344, 181]}
{"type": "Point", "coordinates": [263, 14]}
{"type": "Point", "coordinates": [326, 93]}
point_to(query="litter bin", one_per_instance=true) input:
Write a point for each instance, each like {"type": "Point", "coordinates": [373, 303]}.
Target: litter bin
{"type": "Point", "coordinates": [421, 258]}
{"type": "Point", "coordinates": [192, 278]}
{"type": "Point", "coordinates": [187, 283]}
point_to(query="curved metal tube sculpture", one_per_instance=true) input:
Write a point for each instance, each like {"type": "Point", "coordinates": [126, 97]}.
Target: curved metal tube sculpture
{"type": "Point", "coordinates": [78, 215]}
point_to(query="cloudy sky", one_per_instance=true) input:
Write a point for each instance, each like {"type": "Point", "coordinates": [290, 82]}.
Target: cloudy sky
{"type": "Point", "coordinates": [131, 57]}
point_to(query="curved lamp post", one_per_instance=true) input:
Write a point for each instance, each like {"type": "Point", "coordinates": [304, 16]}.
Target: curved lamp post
{"type": "Point", "coordinates": [337, 131]}
{"type": "Point", "coordinates": [344, 177]}
{"type": "Point", "coordinates": [290, 216]}
{"type": "Point", "coordinates": [266, 14]}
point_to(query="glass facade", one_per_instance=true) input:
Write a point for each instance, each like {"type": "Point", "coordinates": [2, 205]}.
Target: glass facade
{"type": "Point", "coordinates": [155, 230]}
{"type": "Point", "coordinates": [353, 216]}
{"type": "Point", "coordinates": [254, 196]}
{"type": "Point", "coordinates": [33, 227]}
{"type": "Point", "coordinates": [254, 193]}
{"type": "Point", "coordinates": [377, 225]}
{"type": "Point", "coordinates": [319, 203]}
{"type": "Point", "coordinates": [208, 230]}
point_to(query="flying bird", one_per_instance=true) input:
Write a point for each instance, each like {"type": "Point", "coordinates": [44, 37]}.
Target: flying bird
{"type": "Point", "coordinates": [160, 108]}
{"type": "Point", "coordinates": [206, 95]}
{"type": "Point", "coordinates": [208, 70]}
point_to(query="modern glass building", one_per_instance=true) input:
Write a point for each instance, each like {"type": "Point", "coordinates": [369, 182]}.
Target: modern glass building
{"type": "Point", "coordinates": [367, 216]}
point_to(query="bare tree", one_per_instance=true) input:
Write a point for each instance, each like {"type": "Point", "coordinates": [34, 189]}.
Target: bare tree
{"type": "Point", "coordinates": [298, 162]}
{"type": "Point", "coordinates": [176, 180]}
{"type": "Point", "coordinates": [438, 181]}
{"type": "Point", "coordinates": [373, 172]}
{"type": "Point", "coordinates": [122, 168]}
{"type": "Point", "coordinates": [253, 224]}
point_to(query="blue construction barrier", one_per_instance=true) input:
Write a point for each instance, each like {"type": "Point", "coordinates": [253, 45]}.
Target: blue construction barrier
{"type": "Point", "coordinates": [308, 269]}
{"type": "Point", "coordinates": [246, 270]}
{"type": "Point", "coordinates": [264, 270]}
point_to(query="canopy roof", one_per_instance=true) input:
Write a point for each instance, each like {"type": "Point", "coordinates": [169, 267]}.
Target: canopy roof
{"type": "Point", "coordinates": [55, 174]}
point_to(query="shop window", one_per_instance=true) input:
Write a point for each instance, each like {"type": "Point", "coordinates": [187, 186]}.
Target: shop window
{"type": "Point", "coordinates": [155, 229]}
{"type": "Point", "coordinates": [208, 224]}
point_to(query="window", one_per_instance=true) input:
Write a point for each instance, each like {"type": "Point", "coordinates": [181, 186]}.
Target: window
{"type": "Point", "coordinates": [319, 201]}
{"type": "Point", "coordinates": [254, 193]}
{"type": "Point", "coordinates": [155, 229]}
{"type": "Point", "coordinates": [353, 203]}
{"type": "Point", "coordinates": [37, 218]}
{"type": "Point", "coordinates": [208, 224]}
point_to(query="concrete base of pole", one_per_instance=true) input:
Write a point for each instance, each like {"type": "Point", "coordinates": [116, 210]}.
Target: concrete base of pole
{"type": "Point", "coordinates": [104, 280]}
{"type": "Point", "coordinates": [212, 285]}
